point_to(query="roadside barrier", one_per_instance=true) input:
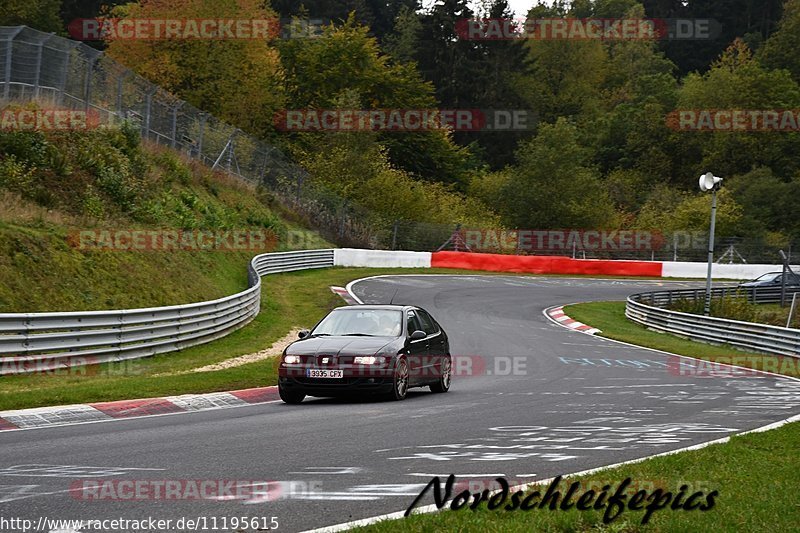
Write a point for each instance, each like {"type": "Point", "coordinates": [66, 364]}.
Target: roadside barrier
{"type": "Point", "coordinates": [31, 342]}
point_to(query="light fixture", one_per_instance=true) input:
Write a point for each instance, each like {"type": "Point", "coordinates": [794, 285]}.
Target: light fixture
{"type": "Point", "coordinates": [708, 181]}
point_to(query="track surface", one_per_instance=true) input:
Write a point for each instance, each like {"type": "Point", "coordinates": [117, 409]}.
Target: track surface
{"type": "Point", "coordinates": [575, 402]}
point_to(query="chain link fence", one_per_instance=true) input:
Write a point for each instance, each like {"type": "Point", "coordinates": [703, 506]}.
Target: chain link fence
{"type": "Point", "coordinates": [43, 67]}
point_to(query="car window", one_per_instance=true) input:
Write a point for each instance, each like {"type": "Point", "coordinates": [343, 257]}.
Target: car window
{"type": "Point", "coordinates": [412, 322]}
{"type": "Point", "coordinates": [355, 321]}
{"type": "Point", "coordinates": [428, 325]}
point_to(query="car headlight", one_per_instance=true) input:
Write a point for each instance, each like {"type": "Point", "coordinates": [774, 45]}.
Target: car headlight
{"type": "Point", "coordinates": [367, 360]}
{"type": "Point", "coordinates": [291, 359]}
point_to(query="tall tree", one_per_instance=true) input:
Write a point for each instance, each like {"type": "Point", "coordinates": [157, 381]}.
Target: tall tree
{"type": "Point", "coordinates": [238, 80]}
{"type": "Point", "coordinates": [347, 59]}
{"type": "Point", "coordinates": [42, 15]}
{"type": "Point", "coordinates": [504, 65]}
{"type": "Point", "coordinates": [453, 64]}
{"type": "Point", "coordinates": [752, 20]}
{"type": "Point", "coordinates": [781, 49]}
{"type": "Point", "coordinates": [555, 184]}
{"type": "Point", "coordinates": [737, 81]}
{"type": "Point", "coordinates": [378, 15]}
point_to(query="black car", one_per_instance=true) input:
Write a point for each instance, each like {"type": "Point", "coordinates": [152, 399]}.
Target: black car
{"type": "Point", "coordinates": [370, 349]}
{"type": "Point", "coordinates": [772, 279]}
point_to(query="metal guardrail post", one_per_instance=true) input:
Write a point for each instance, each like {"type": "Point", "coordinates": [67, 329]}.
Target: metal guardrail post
{"type": "Point", "coordinates": [791, 310]}
{"type": "Point", "coordinates": [87, 89]}
{"type": "Point", "coordinates": [751, 336]}
{"type": "Point", "coordinates": [62, 85]}
{"type": "Point", "coordinates": [203, 119]}
{"type": "Point", "coordinates": [175, 122]}
{"type": "Point", "coordinates": [39, 48]}
{"type": "Point", "coordinates": [9, 57]}
{"type": "Point", "coordinates": [120, 84]}
{"type": "Point", "coordinates": [147, 110]}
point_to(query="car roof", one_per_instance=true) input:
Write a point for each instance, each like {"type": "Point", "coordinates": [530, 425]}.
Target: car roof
{"type": "Point", "coordinates": [379, 307]}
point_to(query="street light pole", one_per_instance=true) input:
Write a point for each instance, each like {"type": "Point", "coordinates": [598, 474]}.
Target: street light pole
{"type": "Point", "coordinates": [707, 308]}
{"type": "Point", "coordinates": [710, 182]}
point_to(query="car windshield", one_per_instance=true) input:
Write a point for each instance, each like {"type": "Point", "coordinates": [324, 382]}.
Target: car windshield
{"type": "Point", "coordinates": [361, 322]}
{"type": "Point", "coordinates": [770, 276]}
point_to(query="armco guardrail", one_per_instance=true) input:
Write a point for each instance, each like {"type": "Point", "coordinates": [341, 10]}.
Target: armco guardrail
{"type": "Point", "coordinates": [49, 341]}
{"type": "Point", "coordinates": [647, 309]}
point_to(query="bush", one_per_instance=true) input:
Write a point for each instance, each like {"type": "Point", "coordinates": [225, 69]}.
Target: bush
{"type": "Point", "coordinates": [16, 175]}
{"type": "Point", "coordinates": [732, 306]}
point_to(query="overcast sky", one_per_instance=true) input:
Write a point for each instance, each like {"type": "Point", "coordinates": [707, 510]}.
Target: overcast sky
{"type": "Point", "coordinates": [521, 7]}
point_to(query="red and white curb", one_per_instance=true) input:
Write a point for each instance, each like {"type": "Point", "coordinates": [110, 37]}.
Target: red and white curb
{"type": "Point", "coordinates": [345, 295]}
{"type": "Point", "coordinates": [42, 417]}
{"type": "Point", "coordinates": [557, 315]}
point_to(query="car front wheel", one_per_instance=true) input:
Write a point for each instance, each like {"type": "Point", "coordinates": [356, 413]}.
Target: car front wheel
{"type": "Point", "coordinates": [443, 385]}
{"type": "Point", "coordinates": [290, 397]}
{"type": "Point", "coordinates": [400, 385]}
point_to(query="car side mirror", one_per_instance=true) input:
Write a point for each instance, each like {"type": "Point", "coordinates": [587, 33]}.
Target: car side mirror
{"type": "Point", "coordinates": [418, 335]}
{"type": "Point", "coordinates": [303, 333]}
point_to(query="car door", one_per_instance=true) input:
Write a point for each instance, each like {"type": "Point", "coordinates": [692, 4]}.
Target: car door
{"type": "Point", "coordinates": [437, 348]}
{"type": "Point", "coordinates": [417, 349]}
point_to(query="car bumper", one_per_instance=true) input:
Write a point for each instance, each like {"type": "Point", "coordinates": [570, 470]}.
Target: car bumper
{"type": "Point", "coordinates": [355, 380]}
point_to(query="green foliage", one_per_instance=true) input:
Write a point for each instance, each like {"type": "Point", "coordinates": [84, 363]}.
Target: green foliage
{"type": "Point", "coordinates": [628, 189]}
{"type": "Point", "coordinates": [344, 68]}
{"type": "Point", "coordinates": [238, 80]}
{"type": "Point", "coordinates": [768, 201]}
{"type": "Point", "coordinates": [15, 175]}
{"type": "Point", "coordinates": [671, 210]}
{"type": "Point", "coordinates": [357, 167]}
{"type": "Point", "coordinates": [109, 177]}
{"type": "Point", "coordinates": [565, 78]}
{"type": "Point", "coordinates": [93, 204]}
{"type": "Point", "coordinates": [173, 168]}
{"type": "Point", "coordinates": [555, 185]}
{"type": "Point", "coordinates": [737, 81]}
{"type": "Point", "coordinates": [42, 15]}
{"type": "Point", "coordinates": [403, 42]}
{"type": "Point", "coordinates": [780, 50]}
{"type": "Point", "coordinates": [737, 307]}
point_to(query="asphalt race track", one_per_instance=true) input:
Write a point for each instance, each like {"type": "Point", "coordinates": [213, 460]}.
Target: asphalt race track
{"type": "Point", "coordinates": [535, 400]}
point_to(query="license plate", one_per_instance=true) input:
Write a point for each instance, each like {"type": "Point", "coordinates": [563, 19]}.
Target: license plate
{"type": "Point", "coordinates": [322, 374]}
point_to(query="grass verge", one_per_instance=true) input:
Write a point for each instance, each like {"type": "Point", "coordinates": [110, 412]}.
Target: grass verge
{"type": "Point", "coordinates": [610, 318]}
{"type": "Point", "coordinates": [756, 476]}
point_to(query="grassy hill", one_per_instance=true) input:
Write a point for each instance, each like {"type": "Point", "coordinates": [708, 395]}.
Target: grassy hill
{"type": "Point", "coordinates": [54, 185]}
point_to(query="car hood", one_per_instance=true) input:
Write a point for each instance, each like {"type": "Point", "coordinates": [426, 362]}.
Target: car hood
{"type": "Point", "coordinates": [339, 345]}
{"type": "Point", "coordinates": [752, 284]}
